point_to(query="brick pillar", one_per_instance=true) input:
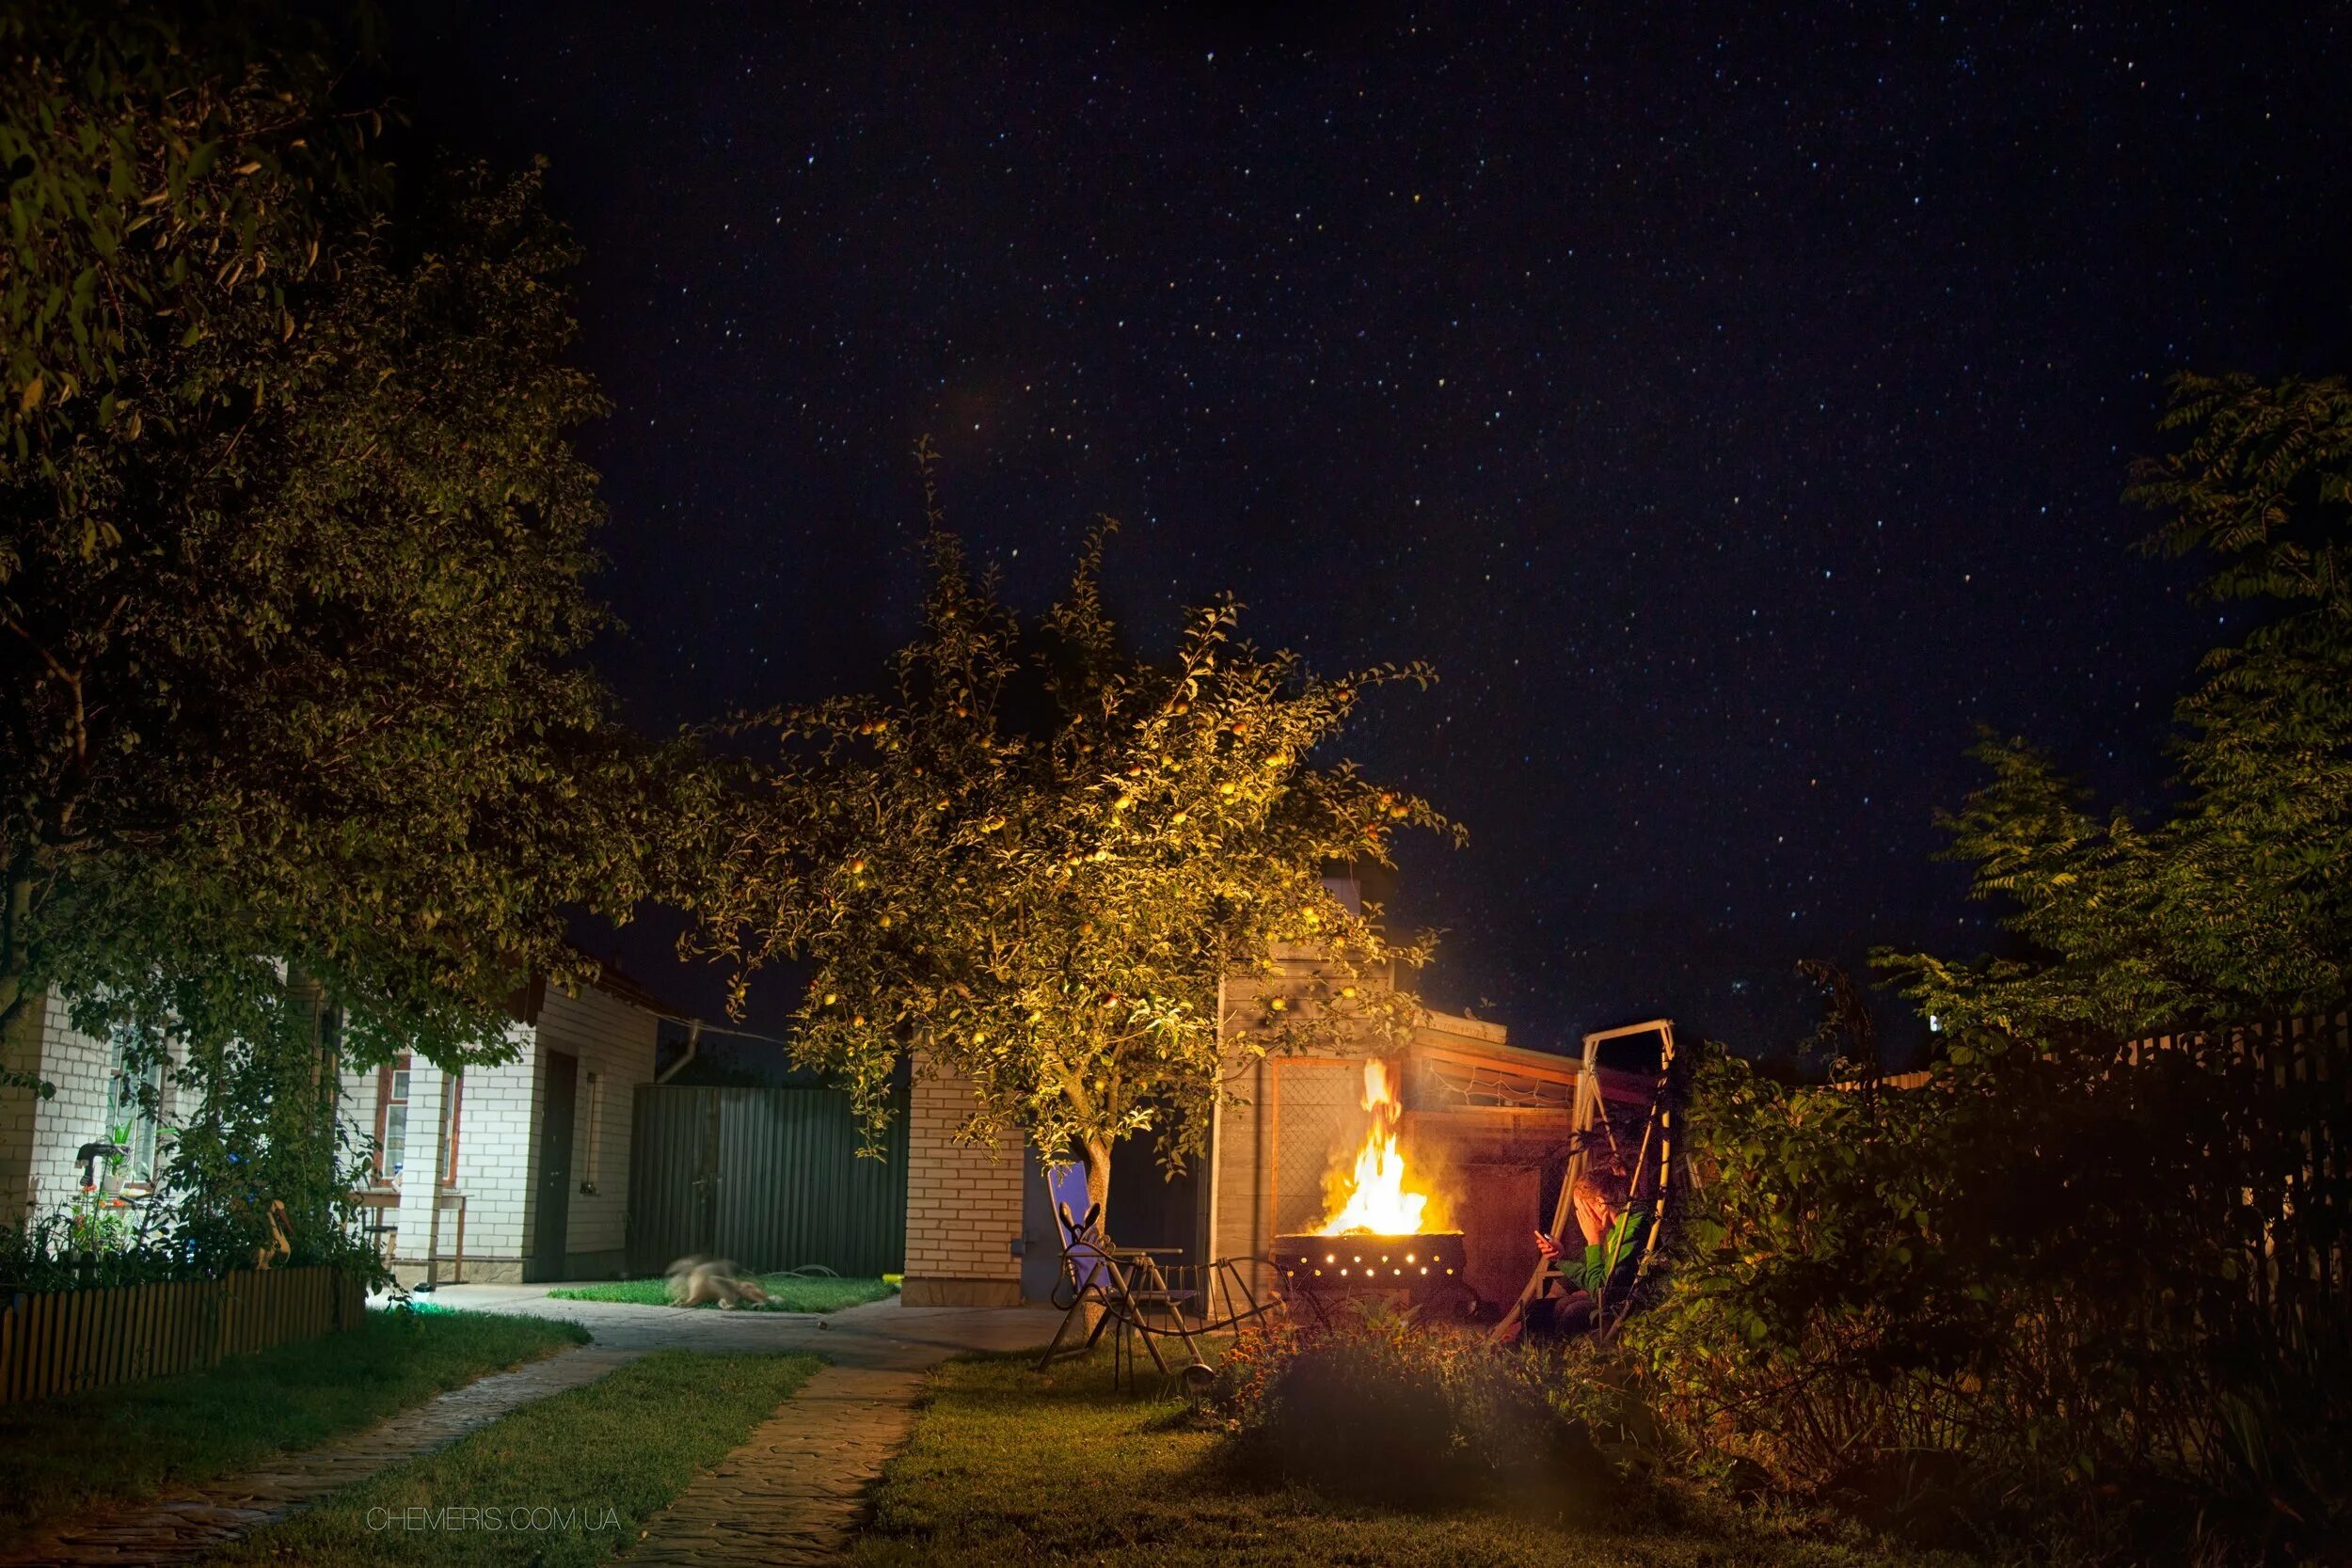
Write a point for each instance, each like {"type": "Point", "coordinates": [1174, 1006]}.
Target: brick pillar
{"type": "Point", "coordinates": [963, 1205]}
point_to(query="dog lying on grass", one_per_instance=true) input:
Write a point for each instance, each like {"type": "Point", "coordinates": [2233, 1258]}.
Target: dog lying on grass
{"type": "Point", "coordinates": [697, 1281]}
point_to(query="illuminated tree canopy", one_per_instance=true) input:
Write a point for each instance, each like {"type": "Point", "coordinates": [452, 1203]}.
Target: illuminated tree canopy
{"type": "Point", "coordinates": [294, 550]}
{"type": "Point", "coordinates": [1033, 861]}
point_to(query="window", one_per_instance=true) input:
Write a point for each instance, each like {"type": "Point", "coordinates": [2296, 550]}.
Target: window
{"type": "Point", "coordinates": [596, 1132]}
{"type": "Point", "coordinates": [453, 1095]}
{"type": "Point", "coordinates": [133, 1093]}
{"type": "Point", "coordinates": [392, 1120]}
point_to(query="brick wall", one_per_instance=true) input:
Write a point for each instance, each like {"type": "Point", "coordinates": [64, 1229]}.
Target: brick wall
{"type": "Point", "coordinates": [38, 1137]}
{"type": "Point", "coordinates": [497, 1130]}
{"type": "Point", "coordinates": [19, 1118]}
{"type": "Point", "coordinates": [493, 1165]}
{"type": "Point", "coordinates": [500, 1114]}
{"type": "Point", "coordinates": [964, 1204]}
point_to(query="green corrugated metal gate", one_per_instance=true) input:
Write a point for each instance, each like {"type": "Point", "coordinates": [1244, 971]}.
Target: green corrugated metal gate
{"type": "Point", "coordinates": [768, 1178]}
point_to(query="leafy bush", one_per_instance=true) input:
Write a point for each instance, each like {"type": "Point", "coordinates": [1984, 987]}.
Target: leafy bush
{"type": "Point", "coordinates": [1384, 1407]}
{"type": "Point", "coordinates": [84, 1246]}
{"type": "Point", "coordinates": [2028, 1291]}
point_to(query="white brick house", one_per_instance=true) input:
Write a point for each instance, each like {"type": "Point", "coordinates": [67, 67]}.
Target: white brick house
{"type": "Point", "coordinates": [496, 1175]}
{"type": "Point", "coordinates": [39, 1137]}
{"type": "Point", "coordinates": [979, 1228]}
{"type": "Point", "coordinates": [530, 1156]}
{"type": "Point", "coordinates": [980, 1223]}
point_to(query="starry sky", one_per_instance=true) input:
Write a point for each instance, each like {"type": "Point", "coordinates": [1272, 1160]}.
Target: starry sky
{"type": "Point", "coordinates": [1731, 401]}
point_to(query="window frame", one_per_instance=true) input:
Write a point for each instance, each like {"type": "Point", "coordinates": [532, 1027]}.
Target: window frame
{"type": "Point", "coordinates": [145, 1121]}
{"type": "Point", "coordinates": [451, 1121]}
{"type": "Point", "coordinates": [385, 1076]}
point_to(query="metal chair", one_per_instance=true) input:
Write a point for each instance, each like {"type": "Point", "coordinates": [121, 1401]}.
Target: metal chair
{"type": "Point", "coordinates": [1127, 1293]}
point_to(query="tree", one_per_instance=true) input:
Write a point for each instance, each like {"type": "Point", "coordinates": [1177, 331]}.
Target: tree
{"type": "Point", "coordinates": [2237, 905]}
{"type": "Point", "coordinates": [293, 553]}
{"type": "Point", "coordinates": [2099, 1274]}
{"type": "Point", "coordinates": [1033, 862]}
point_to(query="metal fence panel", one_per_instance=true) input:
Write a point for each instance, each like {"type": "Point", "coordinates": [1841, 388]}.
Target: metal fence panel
{"type": "Point", "coordinates": [673, 1176]}
{"type": "Point", "coordinates": [769, 1177]}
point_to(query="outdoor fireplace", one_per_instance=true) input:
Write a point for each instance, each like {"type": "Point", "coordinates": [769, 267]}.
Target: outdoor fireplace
{"type": "Point", "coordinates": [1375, 1238]}
{"type": "Point", "coordinates": [1425, 1266]}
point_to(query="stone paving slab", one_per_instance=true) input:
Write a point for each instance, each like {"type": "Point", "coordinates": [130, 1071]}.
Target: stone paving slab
{"type": "Point", "coordinates": [796, 1491]}
{"type": "Point", "coordinates": [181, 1526]}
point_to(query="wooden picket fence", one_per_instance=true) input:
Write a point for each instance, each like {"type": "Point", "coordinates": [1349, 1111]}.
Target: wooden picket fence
{"type": "Point", "coordinates": [2290, 1091]}
{"type": "Point", "coordinates": [58, 1343]}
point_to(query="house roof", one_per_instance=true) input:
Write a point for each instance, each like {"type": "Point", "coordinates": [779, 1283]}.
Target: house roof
{"type": "Point", "coordinates": [611, 979]}
{"type": "Point", "coordinates": [1477, 1054]}
{"type": "Point", "coordinates": [621, 985]}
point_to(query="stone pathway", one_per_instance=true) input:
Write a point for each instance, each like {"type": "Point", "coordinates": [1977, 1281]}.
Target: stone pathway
{"type": "Point", "coordinates": [794, 1493]}
{"type": "Point", "coordinates": [797, 1490]}
{"type": "Point", "coordinates": [182, 1527]}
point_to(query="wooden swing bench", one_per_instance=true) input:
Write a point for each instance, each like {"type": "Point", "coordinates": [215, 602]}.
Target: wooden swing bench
{"type": "Point", "coordinates": [1653, 1190]}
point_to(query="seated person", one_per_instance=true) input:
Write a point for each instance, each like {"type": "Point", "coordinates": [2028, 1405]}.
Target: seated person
{"type": "Point", "coordinates": [1612, 1248]}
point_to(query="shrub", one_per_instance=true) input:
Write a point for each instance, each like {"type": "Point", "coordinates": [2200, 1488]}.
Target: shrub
{"type": "Point", "coordinates": [82, 1245]}
{"type": "Point", "coordinates": [1384, 1407]}
{"type": "Point", "coordinates": [86, 1245]}
{"type": "Point", "coordinates": [2020, 1295]}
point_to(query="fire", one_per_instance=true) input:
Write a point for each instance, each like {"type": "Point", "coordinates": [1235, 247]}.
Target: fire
{"type": "Point", "coordinates": [1377, 1202]}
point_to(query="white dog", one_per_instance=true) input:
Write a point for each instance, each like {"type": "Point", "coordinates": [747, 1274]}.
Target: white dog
{"type": "Point", "coordinates": [696, 1280]}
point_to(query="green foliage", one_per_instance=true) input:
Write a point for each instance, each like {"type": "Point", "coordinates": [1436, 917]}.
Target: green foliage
{"type": "Point", "coordinates": [82, 1244]}
{"type": "Point", "coordinates": [1035, 859]}
{"type": "Point", "coordinates": [150, 150]}
{"type": "Point", "coordinates": [1383, 1407]}
{"type": "Point", "coordinates": [2071, 1278]}
{"type": "Point", "coordinates": [2040, 1285]}
{"type": "Point", "coordinates": [2238, 905]}
{"type": "Point", "coordinates": [293, 562]}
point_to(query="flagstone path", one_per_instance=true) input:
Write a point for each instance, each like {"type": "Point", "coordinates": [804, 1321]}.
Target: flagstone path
{"type": "Point", "coordinates": [181, 1527]}
{"type": "Point", "coordinates": [793, 1494]}
{"type": "Point", "coordinates": [796, 1491]}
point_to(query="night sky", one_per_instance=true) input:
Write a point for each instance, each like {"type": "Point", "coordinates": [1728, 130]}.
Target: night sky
{"type": "Point", "coordinates": [1733, 406]}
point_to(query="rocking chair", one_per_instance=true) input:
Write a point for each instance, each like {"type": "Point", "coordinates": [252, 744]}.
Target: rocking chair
{"type": "Point", "coordinates": [1126, 1291]}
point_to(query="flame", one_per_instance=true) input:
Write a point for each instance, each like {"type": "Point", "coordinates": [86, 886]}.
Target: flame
{"type": "Point", "coordinates": [1377, 1202]}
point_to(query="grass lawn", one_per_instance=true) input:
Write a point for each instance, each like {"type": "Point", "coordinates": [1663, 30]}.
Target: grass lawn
{"type": "Point", "coordinates": [787, 1293]}
{"type": "Point", "coordinates": [1011, 1467]}
{"type": "Point", "coordinates": [569, 1479]}
{"type": "Point", "coordinates": [62, 1455]}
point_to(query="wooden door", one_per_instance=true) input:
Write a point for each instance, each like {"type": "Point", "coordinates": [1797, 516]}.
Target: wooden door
{"type": "Point", "coordinates": [552, 1223]}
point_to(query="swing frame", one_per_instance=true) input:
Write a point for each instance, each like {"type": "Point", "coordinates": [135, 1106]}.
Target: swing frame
{"type": "Point", "coordinates": [1658, 1133]}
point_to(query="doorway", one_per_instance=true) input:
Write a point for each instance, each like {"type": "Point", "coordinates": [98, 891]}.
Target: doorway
{"type": "Point", "coordinates": [551, 1226]}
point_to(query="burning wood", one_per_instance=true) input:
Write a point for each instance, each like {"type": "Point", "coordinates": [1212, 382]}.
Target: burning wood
{"type": "Point", "coordinates": [1378, 1237]}
{"type": "Point", "coordinates": [1375, 1200]}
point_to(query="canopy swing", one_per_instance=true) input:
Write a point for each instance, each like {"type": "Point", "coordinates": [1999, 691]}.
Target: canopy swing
{"type": "Point", "coordinates": [1649, 1190]}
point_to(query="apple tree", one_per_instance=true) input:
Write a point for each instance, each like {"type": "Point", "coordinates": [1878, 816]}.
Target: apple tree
{"type": "Point", "coordinates": [1031, 861]}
